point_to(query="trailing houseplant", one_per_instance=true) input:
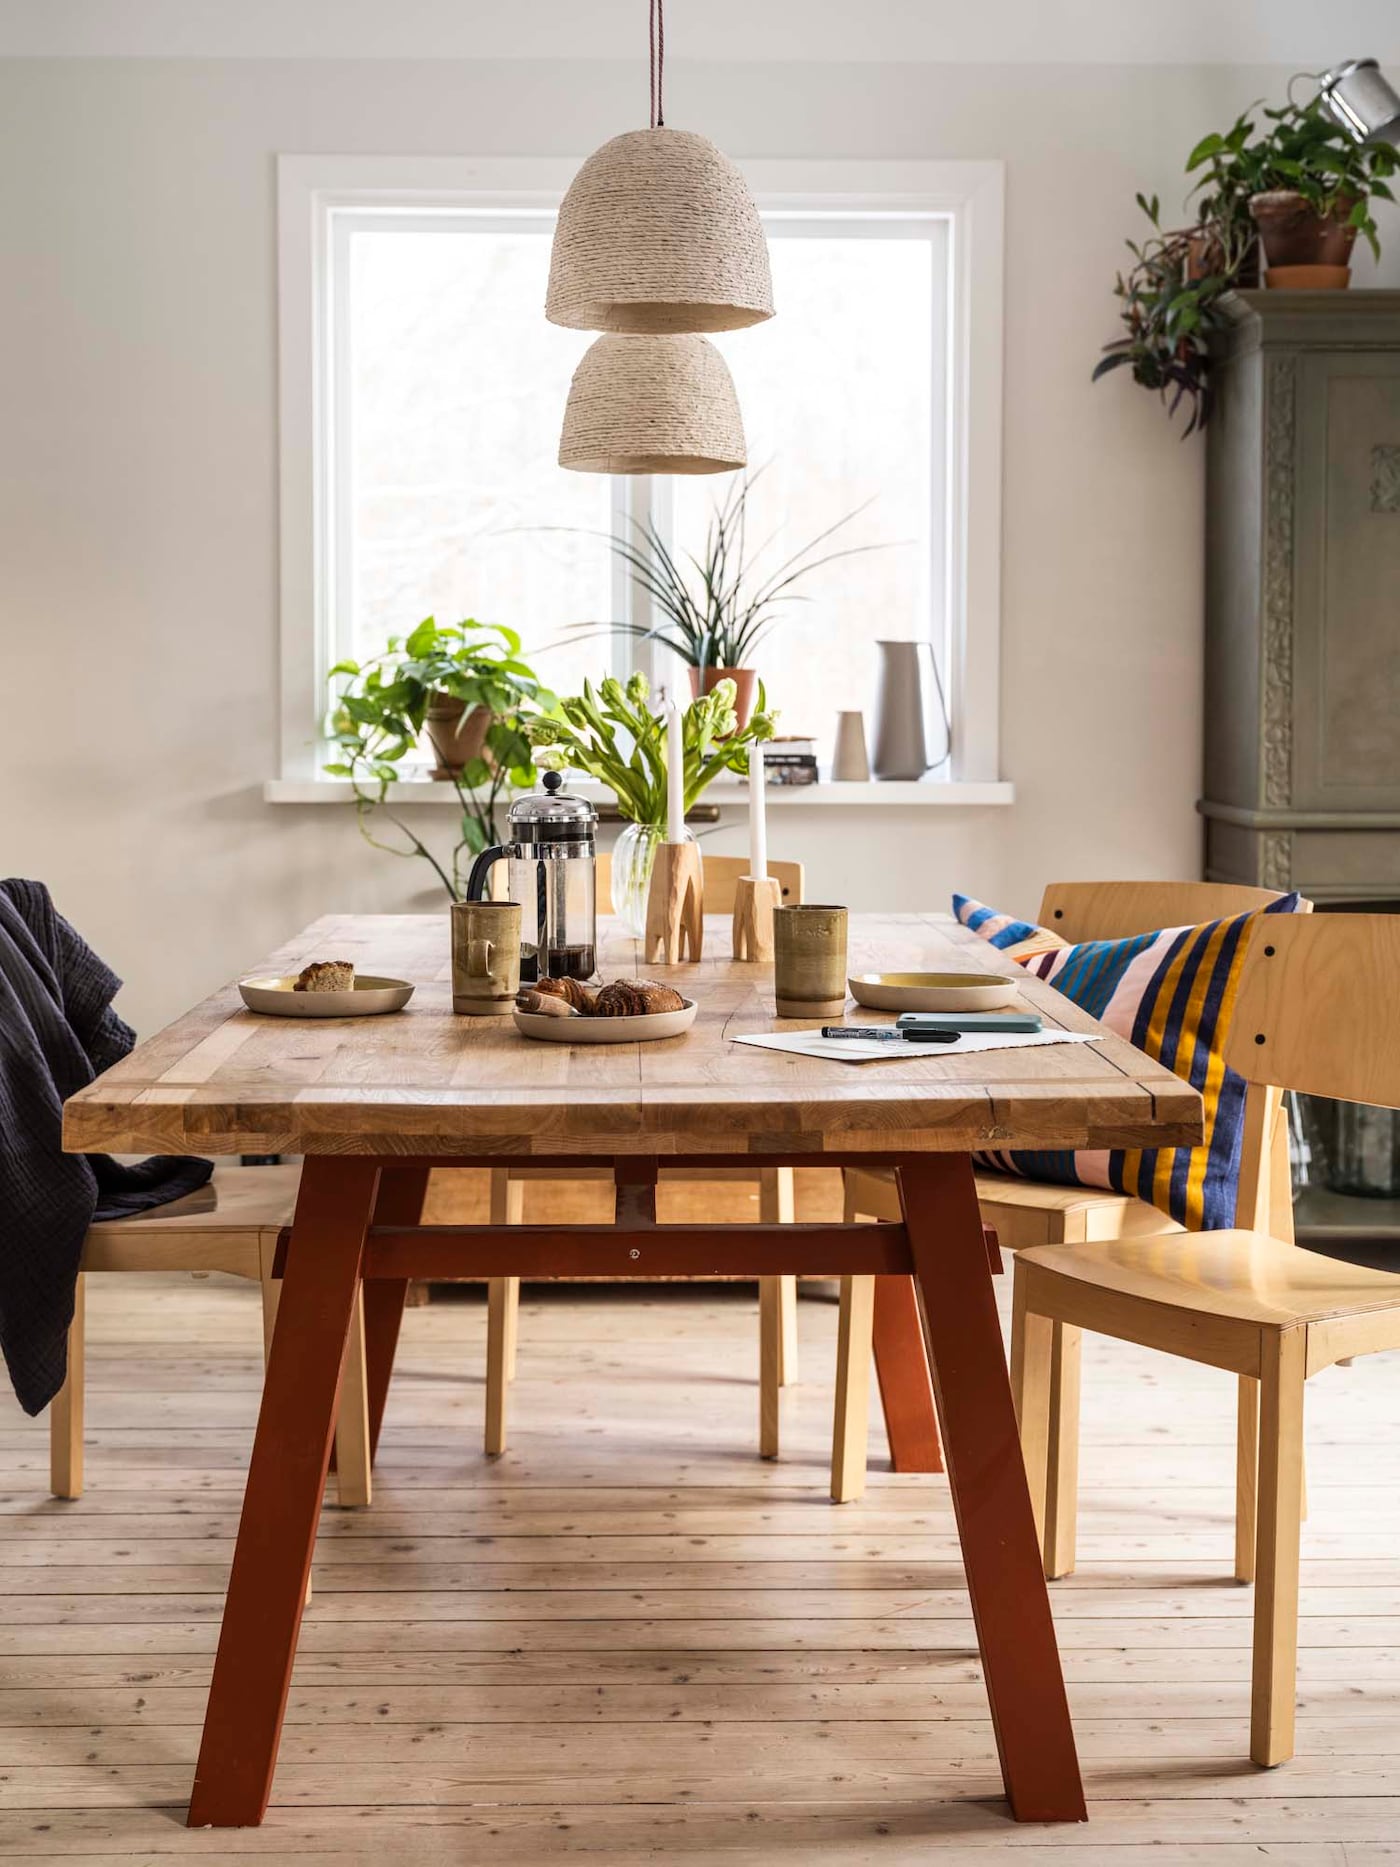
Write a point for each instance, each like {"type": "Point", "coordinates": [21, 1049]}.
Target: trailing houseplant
{"type": "Point", "coordinates": [466, 684]}
{"type": "Point", "coordinates": [1301, 181]}
{"type": "Point", "coordinates": [715, 609]}
{"type": "Point", "coordinates": [612, 734]}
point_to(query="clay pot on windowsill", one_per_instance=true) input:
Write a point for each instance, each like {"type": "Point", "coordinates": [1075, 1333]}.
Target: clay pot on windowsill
{"type": "Point", "coordinates": [1303, 250]}
{"type": "Point", "coordinates": [455, 739]}
{"type": "Point", "coordinates": [745, 685]}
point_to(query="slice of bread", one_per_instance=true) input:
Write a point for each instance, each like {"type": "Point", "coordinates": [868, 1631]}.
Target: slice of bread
{"type": "Point", "coordinates": [326, 975]}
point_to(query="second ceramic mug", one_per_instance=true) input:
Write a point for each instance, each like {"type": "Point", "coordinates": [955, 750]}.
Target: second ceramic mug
{"type": "Point", "coordinates": [485, 957]}
{"type": "Point", "coordinates": [809, 962]}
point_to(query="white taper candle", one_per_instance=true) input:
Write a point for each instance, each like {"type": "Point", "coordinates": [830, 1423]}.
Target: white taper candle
{"type": "Point", "coordinates": [675, 775]}
{"type": "Point", "coordinates": [758, 822]}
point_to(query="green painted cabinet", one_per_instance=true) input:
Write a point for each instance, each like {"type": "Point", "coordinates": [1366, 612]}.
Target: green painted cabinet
{"type": "Point", "coordinates": [1302, 747]}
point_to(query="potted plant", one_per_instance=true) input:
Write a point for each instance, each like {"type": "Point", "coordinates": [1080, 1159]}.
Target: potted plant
{"type": "Point", "coordinates": [1305, 183]}
{"type": "Point", "coordinates": [613, 735]}
{"type": "Point", "coordinates": [1302, 186]}
{"type": "Point", "coordinates": [716, 609]}
{"type": "Point", "coordinates": [467, 685]}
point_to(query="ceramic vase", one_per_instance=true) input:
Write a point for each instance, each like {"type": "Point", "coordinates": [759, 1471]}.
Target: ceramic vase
{"type": "Point", "coordinates": [850, 762]}
{"type": "Point", "coordinates": [911, 719]}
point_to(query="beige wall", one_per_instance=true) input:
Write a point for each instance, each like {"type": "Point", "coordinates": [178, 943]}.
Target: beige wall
{"type": "Point", "coordinates": [138, 463]}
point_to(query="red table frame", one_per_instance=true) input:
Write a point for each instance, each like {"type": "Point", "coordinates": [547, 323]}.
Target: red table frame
{"type": "Point", "coordinates": [357, 1221]}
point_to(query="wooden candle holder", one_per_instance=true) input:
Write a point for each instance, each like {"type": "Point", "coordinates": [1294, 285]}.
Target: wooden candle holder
{"type": "Point", "coordinates": [675, 906]}
{"type": "Point", "coordinates": [754, 902]}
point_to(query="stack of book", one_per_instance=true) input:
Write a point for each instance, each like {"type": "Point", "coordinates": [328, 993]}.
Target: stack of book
{"type": "Point", "coordinates": [790, 761]}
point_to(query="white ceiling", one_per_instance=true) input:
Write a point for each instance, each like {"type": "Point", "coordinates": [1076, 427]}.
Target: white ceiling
{"type": "Point", "coordinates": [1303, 33]}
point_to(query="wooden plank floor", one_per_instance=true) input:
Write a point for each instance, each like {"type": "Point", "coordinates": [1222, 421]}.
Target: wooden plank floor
{"type": "Point", "coordinates": [630, 1640]}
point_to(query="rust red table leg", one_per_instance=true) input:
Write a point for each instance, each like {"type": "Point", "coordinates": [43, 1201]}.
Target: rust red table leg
{"type": "Point", "coordinates": [901, 1366]}
{"type": "Point", "coordinates": [282, 1502]}
{"type": "Point", "coordinates": [400, 1202]}
{"type": "Point", "coordinates": [987, 1479]}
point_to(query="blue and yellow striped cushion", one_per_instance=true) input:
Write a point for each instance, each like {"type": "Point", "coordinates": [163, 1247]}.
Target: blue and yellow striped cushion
{"type": "Point", "coordinates": [1172, 993]}
{"type": "Point", "coordinates": [1016, 939]}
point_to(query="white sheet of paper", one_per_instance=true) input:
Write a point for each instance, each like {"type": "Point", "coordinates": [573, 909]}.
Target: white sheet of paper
{"type": "Point", "coordinates": [868, 1050]}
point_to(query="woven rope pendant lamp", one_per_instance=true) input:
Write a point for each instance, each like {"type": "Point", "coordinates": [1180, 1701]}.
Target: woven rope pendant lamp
{"type": "Point", "coordinates": [658, 233]}
{"type": "Point", "coordinates": [652, 405]}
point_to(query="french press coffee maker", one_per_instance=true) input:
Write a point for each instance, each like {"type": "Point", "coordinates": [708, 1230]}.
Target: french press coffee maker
{"type": "Point", "coordinates": [553, 876]}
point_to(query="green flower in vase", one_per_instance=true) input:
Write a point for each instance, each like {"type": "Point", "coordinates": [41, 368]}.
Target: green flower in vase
{"type": "Point", "coordinates": [612, 734]}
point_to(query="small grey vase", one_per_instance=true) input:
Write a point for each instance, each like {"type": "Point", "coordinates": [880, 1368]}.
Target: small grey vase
{"type": "Point", "coordinates": [850, 762]}
{"type": "Point", "coordinates": [911, 718]}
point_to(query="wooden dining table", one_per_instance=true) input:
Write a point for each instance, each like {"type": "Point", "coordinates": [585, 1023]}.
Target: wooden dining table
{"type": "Point", "coordinates": [374, 1104]}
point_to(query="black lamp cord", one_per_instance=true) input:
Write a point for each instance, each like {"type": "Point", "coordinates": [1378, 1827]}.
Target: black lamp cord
{"type": "Point", "coordinates": [656, 39]}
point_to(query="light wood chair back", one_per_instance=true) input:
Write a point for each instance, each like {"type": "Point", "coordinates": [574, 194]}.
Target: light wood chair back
{"type": "Point", "coordinates": [722, 877]}
{"type": "Point", "coordinates": [1119, 910]}
{"type": "Point", "coordinates": [1319, 1007]}
{"type": "Point", "coordinates": [1317, 1011]}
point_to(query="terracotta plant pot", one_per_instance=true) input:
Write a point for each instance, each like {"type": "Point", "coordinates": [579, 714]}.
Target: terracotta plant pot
{"type": "Point", "coordinates": [1308, 278]}
{"type": "Point", "coordinates": [455, 740]}
{"type": "Point", "coordinates": [1295, 234]}
{"type": "Point", "coordinates": [745, 681]}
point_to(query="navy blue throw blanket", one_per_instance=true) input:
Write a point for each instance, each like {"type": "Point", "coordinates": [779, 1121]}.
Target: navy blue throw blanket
{"type": "Point", "coordinates": [57, 1032]}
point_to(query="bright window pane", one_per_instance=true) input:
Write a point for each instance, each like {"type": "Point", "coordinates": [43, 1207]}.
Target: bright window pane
{"type": "Point", "coordinates": [457, 387]}
{"type": "Point", "coordinates": [842, 397]}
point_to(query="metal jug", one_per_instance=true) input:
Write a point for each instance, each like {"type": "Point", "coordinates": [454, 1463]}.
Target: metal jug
{"type": "Point", "coordinates": [553, 875]}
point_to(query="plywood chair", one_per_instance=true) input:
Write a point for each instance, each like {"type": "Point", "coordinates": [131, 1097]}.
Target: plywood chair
{"type": "Point", "coordinates": [232, 1226]}
{"type": "Point", "coordinates": [1025, 1213]}
{"type": "Point", "coordinates": [1317, 1011]}
{"type": "Point", "coordinates": [777, 1296]}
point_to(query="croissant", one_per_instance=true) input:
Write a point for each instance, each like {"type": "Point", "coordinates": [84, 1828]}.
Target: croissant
{"type": "Point", "coordinates": [579, 996]}
{"type": "Point", "coordinates": [635, 998]}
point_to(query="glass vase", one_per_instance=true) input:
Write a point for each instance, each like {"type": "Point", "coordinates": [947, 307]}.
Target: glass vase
{"type": "Point", "coordinates": [633, 857]}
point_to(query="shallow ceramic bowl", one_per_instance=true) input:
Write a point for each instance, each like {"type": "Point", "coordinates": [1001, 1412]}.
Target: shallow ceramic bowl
{"type": "Point", "coordinates": [366, 998]}
{"type": "Point", "coordinates": [932, 991]}
{"type": "Point", "coordinates": [644, 1030]}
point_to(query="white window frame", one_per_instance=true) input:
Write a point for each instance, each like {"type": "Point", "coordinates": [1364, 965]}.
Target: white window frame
{"type": "Point", "coordinates": [319, 195]}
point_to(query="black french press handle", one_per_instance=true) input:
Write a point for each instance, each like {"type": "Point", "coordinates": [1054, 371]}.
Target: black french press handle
{"type": "Point", "coordinates": [481, 871]}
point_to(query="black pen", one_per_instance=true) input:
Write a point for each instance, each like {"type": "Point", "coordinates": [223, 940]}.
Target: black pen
{"type": "Point", "coordinates": [885, 1035]}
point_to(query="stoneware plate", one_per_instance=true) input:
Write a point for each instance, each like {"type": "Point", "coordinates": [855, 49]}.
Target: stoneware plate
{"type": "Point", "coordinates": [606, 1030]}
{"type": "Point", "coordinates": [932, 991]}
{"type": "Point", "coordinates": [366, 998]}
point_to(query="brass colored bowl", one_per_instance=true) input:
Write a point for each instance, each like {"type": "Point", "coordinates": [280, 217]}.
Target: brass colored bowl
{"type": "Point", "coordinates": [932, 991]}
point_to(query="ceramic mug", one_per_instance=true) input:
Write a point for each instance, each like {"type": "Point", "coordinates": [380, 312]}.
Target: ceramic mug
{"type": "Point", "coordinates": [485, 957]}
{"type": "Point", "coordinates": [809, 962]}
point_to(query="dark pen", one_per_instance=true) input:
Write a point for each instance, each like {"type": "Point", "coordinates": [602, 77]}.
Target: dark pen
{"type": "Point", "coordinates": [882, 1032]}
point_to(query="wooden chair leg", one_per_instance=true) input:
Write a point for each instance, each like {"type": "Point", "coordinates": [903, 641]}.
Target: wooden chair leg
{"type": "Point", "coordinates": [353, 1484]}
{"type": "Point", "coordinates": [1282, 1375]}
{"type": "Point", "coordinates": [777, 1205]}
{"type": "Point", "coordinates": [1246, 1476]}
{"type": "Point", "coordinates": [1032, 1357]}
{"type": "Point", "coordinates": [850, 1430]}
{"type": "Point", "coordinates": [508, 1208]}
{"type": "Point", "coordinates": [770, 1357]}
{"type": "Point", "coordinates": [1062, 1485]}
{"type": "Point", "coordinates": [502, 1302]}
{"type": "Point", "coordinates": [66, 1410]}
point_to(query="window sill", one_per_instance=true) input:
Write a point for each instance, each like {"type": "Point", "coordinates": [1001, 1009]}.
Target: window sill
{"type": "Point", "coordinates": [918, 794]}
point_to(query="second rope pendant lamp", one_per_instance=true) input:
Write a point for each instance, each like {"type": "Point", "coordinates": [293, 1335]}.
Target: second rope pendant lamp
{"type": "Point", "coordinates": [658, 239]}
{"type": "Point", "coordinates": [652, 405]}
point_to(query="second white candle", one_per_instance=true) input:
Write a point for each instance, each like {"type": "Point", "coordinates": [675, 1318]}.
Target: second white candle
{"type": "Point", "coordinates": [758, 822]}
{"type": "Point", "coordinates": [675, 775]}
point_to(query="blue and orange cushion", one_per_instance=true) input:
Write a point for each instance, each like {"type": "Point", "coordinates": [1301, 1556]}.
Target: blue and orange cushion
{"type": "Point", "coordinates": [1172, 994]}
